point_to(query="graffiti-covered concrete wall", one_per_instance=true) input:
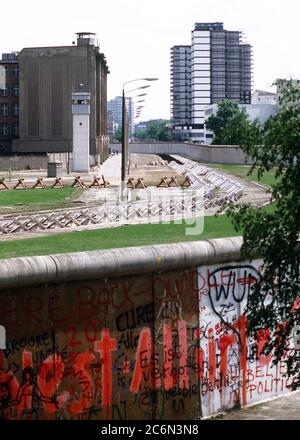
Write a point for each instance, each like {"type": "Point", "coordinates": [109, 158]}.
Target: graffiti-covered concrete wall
{"type": "Point", "coordinates": [234, 371]}
{"type": "Point", "coordinates": [143, 333]}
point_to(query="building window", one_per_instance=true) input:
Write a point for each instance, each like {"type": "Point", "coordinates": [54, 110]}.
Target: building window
{"type": "Point", "coordinates": [16, 129]}
{"type": "Point", "coordinates": [15, 109]}
{"type": "Point", "coordinates": [3, 109]}
{"type": "Point", "coordinates": [3, 129]}
{"type": "Point", "coordinates": [16, 72]}
{"type": "Point", "coordinates": [15, 89]}
{"type": "Point", "coordinates": [4, 91]}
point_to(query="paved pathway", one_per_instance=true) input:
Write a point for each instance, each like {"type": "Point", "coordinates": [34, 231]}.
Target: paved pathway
{"type": "Point", "coordinates": [282, 408]}
{"type": "Point", "coordinates": [111, 169]}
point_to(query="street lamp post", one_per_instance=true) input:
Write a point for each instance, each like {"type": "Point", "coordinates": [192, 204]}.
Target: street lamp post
{"type": "Point", "coordinates": [124, 138]}
{"type": "Point", "coordinates": [125, 124]}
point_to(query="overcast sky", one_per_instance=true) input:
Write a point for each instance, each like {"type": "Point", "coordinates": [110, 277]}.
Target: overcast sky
{"type": "Point", "coordinates": [136, 35]}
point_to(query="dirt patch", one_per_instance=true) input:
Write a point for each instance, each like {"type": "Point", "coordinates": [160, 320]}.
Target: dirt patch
{"type": "Point", "coordinates": [151, 168]}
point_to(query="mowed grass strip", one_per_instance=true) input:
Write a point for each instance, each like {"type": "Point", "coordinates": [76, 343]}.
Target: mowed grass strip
{"type": "Point", "coordinates": [37, 198]}
{"type": "Point", "coordinates": [267, 179]}
{"type": "Point", "coordinates": [124, 236]}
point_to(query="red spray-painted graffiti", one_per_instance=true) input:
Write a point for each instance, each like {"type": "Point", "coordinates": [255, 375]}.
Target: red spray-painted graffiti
{"type": "Point", "coordinates": [238, 370]}
{"type": "Point", "coordinates": [137, 347]}
{"type": "Point", "coordinates": [146, 369]}
{"type": "Point", "coordinates": [105, 348]}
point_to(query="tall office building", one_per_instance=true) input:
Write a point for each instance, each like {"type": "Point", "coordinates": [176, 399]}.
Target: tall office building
{"type": "Point", "coordinates": [216, 66]}
{"type": "Point", "coordinates": [181, 84]}
{"type": "Point", "coordinates": [114, 109]}
{"type": "Point", "coordinates": [48, 77]}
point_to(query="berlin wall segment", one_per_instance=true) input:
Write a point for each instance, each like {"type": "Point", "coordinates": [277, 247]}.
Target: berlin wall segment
{"type": "Point", "coordinates": [88, 349]}
{"type": "Point", "coordinates": [235, 370]}
{"type": "Point", "coordinates": [169, 345]}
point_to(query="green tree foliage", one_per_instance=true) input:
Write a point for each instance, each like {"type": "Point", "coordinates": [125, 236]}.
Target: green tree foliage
{"type": "Point", "coordinates": [118, 134]}
{"type": "Point", "coordinates": [141, 135]}
{"type": "Point", "coordinates": [156, 130]}
{"type": "Point", "coordinates": [230, 125]}
{"type": "Point", "coordinates": [273, 232]}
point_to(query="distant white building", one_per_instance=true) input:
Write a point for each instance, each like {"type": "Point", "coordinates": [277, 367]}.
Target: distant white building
{"type": "Point", "coordinates": [264, 97]}
{"type": "Point", "coordinates": [264, 105]}
{"type": "Point", "coordinates": [284, 83]}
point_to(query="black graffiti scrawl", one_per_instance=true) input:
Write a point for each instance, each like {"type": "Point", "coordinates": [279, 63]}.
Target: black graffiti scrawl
{"type": "Point", "coordinates": [229, 286]}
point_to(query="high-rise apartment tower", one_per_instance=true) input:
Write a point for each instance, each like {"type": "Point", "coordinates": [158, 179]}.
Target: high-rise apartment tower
{"type": "Point", "coordinates": [217, 65]}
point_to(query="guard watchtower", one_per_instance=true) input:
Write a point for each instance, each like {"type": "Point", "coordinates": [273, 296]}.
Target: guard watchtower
{"type": "Point", "coordinates": [86, 38]}
{"type": "Point", "coordinates": [81, 131]}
